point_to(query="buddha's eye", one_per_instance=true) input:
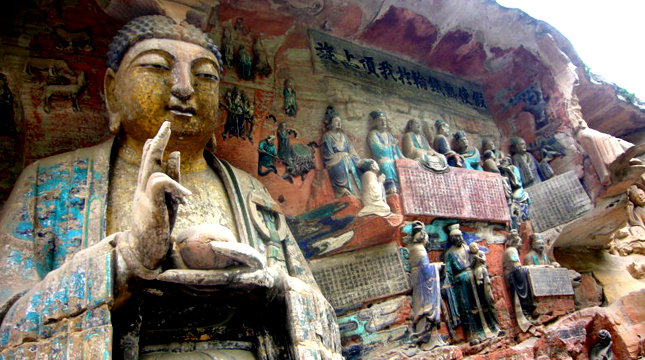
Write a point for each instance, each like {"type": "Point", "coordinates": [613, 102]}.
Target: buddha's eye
{"type": "Point", "coordinates": [155, 66]}
{"type": "Point", "coordinates": [212, 77]}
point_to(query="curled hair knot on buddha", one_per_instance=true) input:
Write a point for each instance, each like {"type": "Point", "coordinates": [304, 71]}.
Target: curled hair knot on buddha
{"type": "Point", "coordinates": [156, 27]}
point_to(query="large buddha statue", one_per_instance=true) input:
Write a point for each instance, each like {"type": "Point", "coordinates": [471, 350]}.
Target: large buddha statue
{"type": "Point", "coordinates": [148, 245]}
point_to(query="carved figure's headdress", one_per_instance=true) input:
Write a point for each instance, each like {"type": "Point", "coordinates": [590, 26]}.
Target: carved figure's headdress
{"type": "Point", "coordinates": [454, 230]}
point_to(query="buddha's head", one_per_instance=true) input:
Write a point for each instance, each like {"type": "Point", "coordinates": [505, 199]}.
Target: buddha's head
{"type": "Point", "coordinates": [379, 120]}
{"type": "Point", "coordinates": [462, 141]}
{"type": "Point", "coordinates": [160, 70]}
{"type": "Point", "coordinates": [413, 125]}
{"type": "Point", "coordinates": [636, 195]}
{"type": "Point", "coordinates": [518, 145]}
{"type": "Point", "coordinates": [488, 144]}
{"type": "Point", "coordinates": [537, 243]}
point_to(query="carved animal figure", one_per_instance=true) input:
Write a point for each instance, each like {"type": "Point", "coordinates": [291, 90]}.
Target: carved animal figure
{"type": "Point", "coordinates": [71, 91]}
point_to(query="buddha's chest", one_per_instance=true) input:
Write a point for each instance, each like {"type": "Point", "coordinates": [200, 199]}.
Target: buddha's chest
{"type": "Point", "coordinates": [209, 203]}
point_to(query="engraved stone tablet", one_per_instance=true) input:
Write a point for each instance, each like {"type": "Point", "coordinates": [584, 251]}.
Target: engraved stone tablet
{"type": "Point", "coordinates": [549, 281]}
{"type": "Point", "coordinates": [361, 276]}
{"type": "Point", "coordinates": [457, 194]}
{"type": "Point", "coordinates": [557, 201]}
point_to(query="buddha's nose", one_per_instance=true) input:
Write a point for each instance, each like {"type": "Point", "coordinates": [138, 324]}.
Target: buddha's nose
{"type": "Point", "coordinates": [182, 87]}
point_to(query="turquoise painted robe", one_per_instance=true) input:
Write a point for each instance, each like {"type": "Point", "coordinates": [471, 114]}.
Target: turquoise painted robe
{"type": "Point", "coordinates": [385, 151]}
{"type": "Point", "coordinates": [57, 267]}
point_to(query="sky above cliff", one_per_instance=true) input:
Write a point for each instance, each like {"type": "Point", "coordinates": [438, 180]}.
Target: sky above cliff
{"type": "Point", "coordinates": [606, 35]}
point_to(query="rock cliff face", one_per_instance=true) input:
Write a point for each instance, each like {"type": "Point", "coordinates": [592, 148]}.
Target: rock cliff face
{"type": "Point", "coordinates": [491, 72]}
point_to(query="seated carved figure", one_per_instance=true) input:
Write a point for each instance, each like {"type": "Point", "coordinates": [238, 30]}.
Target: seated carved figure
{"type": "Point", "coordinates": [384, 149]}
{"type": "Point", "coordinates": [82, 260]}
{"type": "Point", "coordinates": [470, 154]}
{"type": "Point", "coordinates": [340, 158]}
{"type": "Point", "coordinates": [442, 144]}
{"type": "Point", "coordinates": [525, 162]}
{"type": "Point", "coordinates": [415, 146]}
{"type": "Point", "coordinates": [537, 255]}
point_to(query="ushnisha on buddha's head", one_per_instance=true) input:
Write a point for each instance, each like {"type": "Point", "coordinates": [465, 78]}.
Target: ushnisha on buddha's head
{"type": "Point", "coordinates": [160, 70]}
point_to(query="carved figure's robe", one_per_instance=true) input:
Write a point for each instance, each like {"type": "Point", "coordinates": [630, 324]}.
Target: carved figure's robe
{"type": "Point", "coordinates": [385, 151]}
{"type": "Point", "coordinates": [57, 267]}
{"type": "Point", "coordinates": [341, 160]}
{"type": "Point", "coordinates": [415, 146]}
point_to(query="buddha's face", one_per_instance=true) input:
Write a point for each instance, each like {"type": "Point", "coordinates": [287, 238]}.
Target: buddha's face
{"type": "Point", "coordinates": [381, 123]}
{"type": "Point", "coordinates": [538, 245]}
{"type": "Point", "coordinates": [520, 146]}
{"type": "Point", "coordinates": [489, 145]}
{"type": "Point", "coordinates": [457, 239]}
{"type": "Point", "coordinates": [166, 80]}
{"type": "Point", "coordinates": [463, 142]}
{"type": "Point", "coordinates": [444, 128]}
{"type": "Point", "coordinates": [336, 123]}
{"type": "Point", "coordinates": [637, 196]}
{"type": "Point", "coordinates": [415, 127]}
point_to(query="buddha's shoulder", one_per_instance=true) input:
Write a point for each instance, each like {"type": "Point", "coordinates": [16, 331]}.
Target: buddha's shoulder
{"type": "Point", "coordinates": [97, 156]}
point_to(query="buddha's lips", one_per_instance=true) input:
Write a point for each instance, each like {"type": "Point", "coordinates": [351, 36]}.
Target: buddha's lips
{"type": "Point", "coordinates": [183, 111]}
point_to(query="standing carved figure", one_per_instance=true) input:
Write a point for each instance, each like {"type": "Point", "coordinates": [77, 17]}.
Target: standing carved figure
{"type": "Point", "coordinates": [340, 157]}
{"type": "Point", "coordinates": [517, 280]}
{"type": "Point", "coordinates": [468, 153]}
{"type": "Point", "coordinates": [442, 144]}
{"type": "Point", "coordinates": [384, 150]}
{"type": "Point", "coordinates": [475, 311]}
{"type": "Point", "coordinates": [480, 270]}
{"type": "Point", "coordinates": [290, 104]}
{"type": "Point", "coordinates": [426, 290]}
{"type": "Point", "coordinates": [526, 162]}
{"type": "Point", "coordinates": [228, 51]}
{"type": "Point", "coordinates": [260, 59]}
{"type": "Point", "coordinates": [245, 63]}
{"type": "Point", "coordinates": [415, 146]}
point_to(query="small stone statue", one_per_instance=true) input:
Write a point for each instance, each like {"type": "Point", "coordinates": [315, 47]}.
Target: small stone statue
{"type": "Point", "coordinates": [260, 60]}
{"type": "Point", "coordinates": [512, 175]}
{"type": "Point", "coordinates": [537, 256]}
{"type": "Point", "coordinates": [442, 145]}
{"type": "Point", "coordinates": [525, 161]}
{"type": "Point", "coordinates": [415, 146]}
{"type": "Point", "coordinates": [517, 280]}
{"type": "Point", "coordinates": [340, 157]}
{"type": "Point", "coordinates": [267, 155]}
{"type": "Point", "coordinates": [426, 290]}
{"type": "Point", "coordinates": [475, 311]}
{"type": "Point", "coordinates": [228, 52]}
{"type": "Point", "coordinates": [480, 270]}
{"type": "Point", "coordinates": [384, 150]}
{"type": "Point", "coordinates": [284, 142]}
{"type": "Point", "coordinates": [373, 192]}
{"type": "Point", "coordinates": [245, 63]}
{"type": "Point", "coordinates": [469, 153]}
{"type": "Point", "coordinates": [491, 161]}
{"type": "Point", "coordinates": [602, 349]}
{"type": "Point", "coordinates": [636, 209]}
{"type": "Point", "coordinates": [290, 104]}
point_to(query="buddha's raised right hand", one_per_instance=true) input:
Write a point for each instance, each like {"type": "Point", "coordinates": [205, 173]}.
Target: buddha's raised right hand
{"type": "Point", "coordinates": [156, 198]}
